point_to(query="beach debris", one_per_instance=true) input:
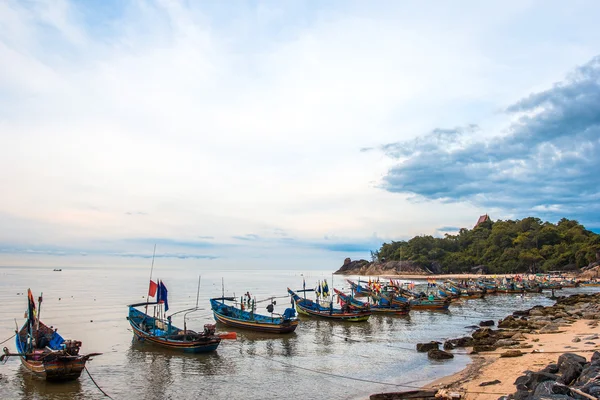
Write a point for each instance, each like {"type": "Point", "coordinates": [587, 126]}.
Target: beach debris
{"type": "Point", "coordinates": [425, 347]}
{"type": "Point", "coordinates": [512, 353]}
{"type": "Point", "coordinates": [488, 383]}
{"type": "Point", "coordinates": [439, 354]}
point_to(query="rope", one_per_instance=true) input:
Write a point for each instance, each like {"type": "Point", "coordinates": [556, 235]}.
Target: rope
{"type": "Point", "coordinates": [8, 339]}
{"type": "Point", "coordinates": [99, 388]}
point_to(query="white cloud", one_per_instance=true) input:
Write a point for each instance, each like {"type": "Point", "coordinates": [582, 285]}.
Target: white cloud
{"type": "Point", "coordinates": [227, 127]}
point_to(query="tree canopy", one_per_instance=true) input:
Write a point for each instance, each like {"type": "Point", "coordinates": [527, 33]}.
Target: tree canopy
{"type": "Point", "coordinates": [527, 245]}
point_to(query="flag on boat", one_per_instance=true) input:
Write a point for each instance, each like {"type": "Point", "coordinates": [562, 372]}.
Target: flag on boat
{"type": "Point", "coordinates": [152, 289]}
{"type": "Point", "coordinates": [162, 295]}
{"type": "Point", "coordinates": [325, 288]}
{"type": "Point", "coordinates": [303, 284]}
{"type": "Point", "coordinates": [30, 305]}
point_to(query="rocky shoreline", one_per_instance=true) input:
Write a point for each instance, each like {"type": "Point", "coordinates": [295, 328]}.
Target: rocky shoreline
{"type": "Point", "coordinates": [544, 352]}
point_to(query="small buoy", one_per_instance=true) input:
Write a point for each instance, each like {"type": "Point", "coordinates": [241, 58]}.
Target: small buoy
{"type": "Point", "coordinates": [91, 320]}
{"type": "Point", "coordinates": [59, 298]}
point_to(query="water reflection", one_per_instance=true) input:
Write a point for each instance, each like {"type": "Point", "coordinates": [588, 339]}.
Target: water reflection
{"type": "Point", "coordinates": [34, 387]}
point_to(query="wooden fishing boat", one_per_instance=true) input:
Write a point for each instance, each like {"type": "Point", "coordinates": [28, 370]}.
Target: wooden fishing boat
{"type": "Point", "coordinates": [161, 332]}
{"type": "Point", "coordinates": [43, 350]}
{"type": "Point", "coordinates": [383, 306]}
{"type": "Point", "coordinates": [428, 304]}
{"type": "Point", "coordinates": [359, 290]}
{"type": "Point", "coordinates": [311, 308]}
{"type": "Point", "coordinates": [237, 317]}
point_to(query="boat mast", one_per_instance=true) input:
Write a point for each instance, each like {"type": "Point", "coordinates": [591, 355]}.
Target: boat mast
{"type": "Point", "coordinates": [198, 293]}
{"type": "Point", "coordinates": [149, 283]}
{"type": "Point", "coordinates": [37, 329]}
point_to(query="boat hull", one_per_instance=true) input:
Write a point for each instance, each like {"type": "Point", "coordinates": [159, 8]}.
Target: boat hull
{"type": "Point", "coordinates": [256, 326]}
{"type": "Point", "coordinates": [350, 317]}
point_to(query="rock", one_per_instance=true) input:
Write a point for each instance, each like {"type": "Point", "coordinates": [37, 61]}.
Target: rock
{"type": "Point", "coordinates": [512, 353]}
{"type": "Point", "coordinates": [539, 377]}
{"type": "Point", "coordinates": [592, 343]}
{"type": "Point", "coordinates": [588, 375]}
{"type": "Point", "coordinates": [595, 357]}
{"type": "Point", "coordinates": [505, 343]}
{"type": "Point", "coordinates": [550, 328]}
{"type": "Point", "coordinates": [576, 340]}
{"type": "Point", "coordinates": [488, 383]}
{"type": "Point", "coordinates": [551, 368]}
{"type": "Point", "coordinates": [593, 337]}
{"type": "Point", "coordinates": [448, 345]}
{"type": "Point", "coordinates": [521, 313]}
{"type": "Point", "coordinates": [570, 357]}
{"type": "Point", "coordinates": [482, 333]}
{"type": "Point", "coordinates": [569, 370]}
{"type": "Point", "coordinates": [536, 312]}
{"type": "Point", "coordinates": [518, 336]}
{"type": "Point", "coordinates": [462, 342]}
{"type": "Point", "coordinates": [425, 347]}
{"type": "Point", "coordinates": [483, 348]}
{"type": "Point", "coordinates": [487, 323]}
{"type": "Point", "coordinates": [439, 354]}
{"type": "Point", "coordinates": [471, 327]}
{"type": "Point", "coordinates": [549, 389]}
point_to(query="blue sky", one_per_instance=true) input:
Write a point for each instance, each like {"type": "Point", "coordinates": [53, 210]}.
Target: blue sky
{"type": "Point", "coordinates": [288, 133]}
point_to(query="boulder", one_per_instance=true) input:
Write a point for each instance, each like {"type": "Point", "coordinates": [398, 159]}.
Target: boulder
{"type": "Point", "coordinates": [448, 345]}
{"type": "Point", "coordinates": [570, 357]}
{"type": "Point", "coordinates": [487, 323]}
{"type": "Point", "coordinates": [512, 353]}
{"type": "Point", "coordinates": [462, 342]}
{"type": "Point", "coordinates": [569, 371]}
{"type": "Point", "coordinates": [551, 368]}
{"type": "Point", "coordinates": [439, 354]}
{"type": "Point", "coordinates": [425, 347]}
{"type": "Point", "coordinates": [482, 333]}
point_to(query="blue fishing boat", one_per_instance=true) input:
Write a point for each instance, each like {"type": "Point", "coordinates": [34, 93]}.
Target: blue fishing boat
{"type": "Point", "coordinates": [381, 304]}
{"type": "Point", "coordinates": [315, 309]}
{"type": "Point", "coordinates": [161, 332]}
{"type": "Point", "coordinates": [245, 317]}
{"type": "Point", "coordinates": [44, 352]}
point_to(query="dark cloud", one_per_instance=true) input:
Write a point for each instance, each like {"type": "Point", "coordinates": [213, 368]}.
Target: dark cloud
{"type": "Point", "coordinates": [546, 164]}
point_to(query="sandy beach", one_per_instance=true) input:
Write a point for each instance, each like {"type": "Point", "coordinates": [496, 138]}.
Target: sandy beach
{"type": "Point", "coordinates": [546, 348]}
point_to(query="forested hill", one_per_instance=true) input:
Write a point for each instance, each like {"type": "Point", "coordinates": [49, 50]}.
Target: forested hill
{"type": "Point", "coordinates": [527, 245]}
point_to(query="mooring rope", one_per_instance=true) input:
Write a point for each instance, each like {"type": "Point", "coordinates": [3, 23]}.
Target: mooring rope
{"type": "Point", "coordinates": [8, 339]}
{"type": "Point", "coordinates": [99, 388]}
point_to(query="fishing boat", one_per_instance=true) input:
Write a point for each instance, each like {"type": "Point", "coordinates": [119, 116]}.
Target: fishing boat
{"type": "Point", "coordinates": [315, 309]}
{"type": "Point", "coordinates": [245, 317]}
{"type": "Point", "coordinates": [44, 351]}
{"type": "Point", "coordinates": [382, 304]}
{"type": "Point", "coordinates": [159, 331]}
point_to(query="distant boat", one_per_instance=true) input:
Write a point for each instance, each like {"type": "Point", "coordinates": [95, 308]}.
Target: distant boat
{"type": "Point", "coordinates": [57, 269]}
{"type": "Point", "coordinates": [239, 317]}
{"type": "Point", "coordinates": [44, 352]}
{"type": "Point", "coordinates": [314, 309]}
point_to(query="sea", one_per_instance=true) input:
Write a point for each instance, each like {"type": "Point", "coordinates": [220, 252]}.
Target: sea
{"type": "Point", "coordinates": [320, 360]}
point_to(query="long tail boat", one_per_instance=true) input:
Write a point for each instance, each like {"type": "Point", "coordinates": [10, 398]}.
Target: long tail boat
{"type": "Point", "coordinates": [359, 290]}
{"type": "Point", "coordinates": [43, 350]}
{"type": "Point", "coordinates": [381, 306]}
{"type": "Point", "coordinates": [309, 307]}
{"type": "Point", "coordinates": [161, 332]}
{"type": "Point", "coordinates": [238, 317]}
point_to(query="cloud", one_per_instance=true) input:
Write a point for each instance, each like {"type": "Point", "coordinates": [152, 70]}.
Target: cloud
{"type": "Point", "coordinates": [248, 236]}
{"type": "Point", "coordinates": [448, 229]}
{"type": "Point", "coordinates": [546, 163]}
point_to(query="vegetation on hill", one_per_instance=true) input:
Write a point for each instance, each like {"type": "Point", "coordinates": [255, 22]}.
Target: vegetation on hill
{"type": "Point", "coordinates": [527, 245]}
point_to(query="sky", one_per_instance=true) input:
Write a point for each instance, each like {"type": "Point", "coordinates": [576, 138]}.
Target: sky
{"type": "Point", "coordinates": [288, 134]}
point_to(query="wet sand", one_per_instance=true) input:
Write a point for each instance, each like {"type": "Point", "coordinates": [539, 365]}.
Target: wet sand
{"type": "Point", "coordinates": [547, 347]}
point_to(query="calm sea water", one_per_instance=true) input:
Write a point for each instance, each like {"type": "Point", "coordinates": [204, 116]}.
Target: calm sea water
{"type": "Point", "coordinates": [321, 360]}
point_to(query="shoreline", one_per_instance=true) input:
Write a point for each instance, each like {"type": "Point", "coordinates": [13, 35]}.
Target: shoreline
{"type": "Point", "coordinates": [577, 333]}
{"type": "Point", "coordinates": [486, 367]}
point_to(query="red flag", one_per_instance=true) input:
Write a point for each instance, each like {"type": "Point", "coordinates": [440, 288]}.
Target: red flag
{"type": "Point", "coordinates": [152, 289]}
